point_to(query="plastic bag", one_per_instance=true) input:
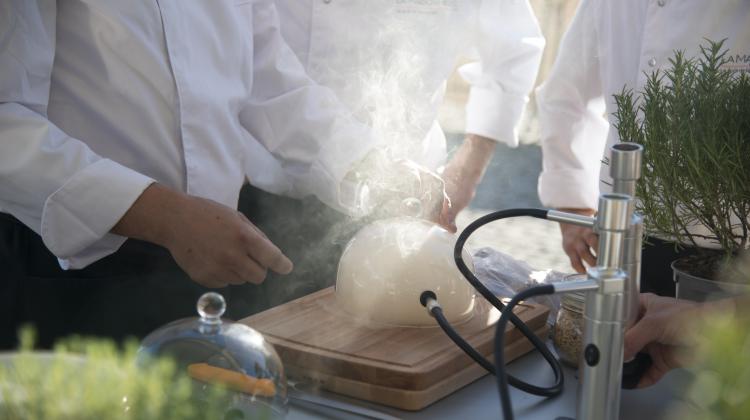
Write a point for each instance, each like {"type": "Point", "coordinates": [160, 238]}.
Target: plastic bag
{"type": "Point", "coordinates": [505, 276]}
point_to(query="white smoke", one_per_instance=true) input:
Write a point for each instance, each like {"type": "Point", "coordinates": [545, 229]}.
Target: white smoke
{"type": "Point", "coordinates": [388, 61]}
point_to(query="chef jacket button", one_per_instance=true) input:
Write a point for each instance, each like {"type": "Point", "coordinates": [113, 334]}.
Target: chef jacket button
{"type": "Point", "coordinates": [326, 1]}
{"type": "Point", "coordinates": [661, 3]}
{"type": "Point", "coordinates": [652, 62]}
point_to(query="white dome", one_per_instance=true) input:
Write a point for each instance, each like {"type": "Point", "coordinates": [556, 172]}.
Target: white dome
{"type": "Point", "coordinates": [388, 264]}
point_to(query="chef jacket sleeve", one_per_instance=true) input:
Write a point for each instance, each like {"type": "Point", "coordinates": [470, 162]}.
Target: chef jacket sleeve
{"type": "Point", "coordinates": [571, 118]}
{"type": "Point", "coordinates": [51, 182]}
{"type": "Point", "coordinates": [300, 122]}
{"type": "Point", "coordinates": [509, 44]}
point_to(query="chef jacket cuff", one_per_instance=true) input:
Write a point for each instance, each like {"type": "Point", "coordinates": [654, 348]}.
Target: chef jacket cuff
{"type": "Point", "coordinates": [569, 188]}
{"type": "Point", "coordinates": [494, 114]}
{"type": "Point", "coordinates": [77, 218]}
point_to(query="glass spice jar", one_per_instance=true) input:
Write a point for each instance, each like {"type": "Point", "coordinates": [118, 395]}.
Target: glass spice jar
{"type": "Point", "coordinates": [567, 335]}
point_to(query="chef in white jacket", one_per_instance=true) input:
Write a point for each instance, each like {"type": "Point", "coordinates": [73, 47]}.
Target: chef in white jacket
{"type": "Point", "coordinates": [142, 120]}
{"type": "Point", "coordinates": [609, 45]}
{"type": "Point", "coordinates": [389, 60]}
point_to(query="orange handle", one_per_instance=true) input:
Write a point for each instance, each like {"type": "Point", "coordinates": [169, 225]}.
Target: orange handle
{"type": "Point", "coordinates": [234, 380]}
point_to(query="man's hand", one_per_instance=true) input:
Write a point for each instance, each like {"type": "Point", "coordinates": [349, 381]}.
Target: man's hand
{"type": "Point", "coordinates": [214, 244]}
{"type": "Point", "coordinates": [580, 243]}
{"type": "Point", "coordinates": [663, 331]}
{"type": "Point", "coordinates": [463, 174]}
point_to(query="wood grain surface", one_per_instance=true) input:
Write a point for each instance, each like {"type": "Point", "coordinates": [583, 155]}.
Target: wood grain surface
{"type": "Point", "coordinates": [403, 367]}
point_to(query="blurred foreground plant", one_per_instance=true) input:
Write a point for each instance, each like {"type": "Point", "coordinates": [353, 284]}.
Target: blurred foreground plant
{"type": "Point", "coordinates": [721, 389]}
{"type": "Point", "coordinates": [94, 379]}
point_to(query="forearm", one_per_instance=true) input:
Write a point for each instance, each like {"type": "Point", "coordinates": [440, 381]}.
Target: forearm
{"type": "Point", "coordinates": [151, 216]}
{"type": "Point", "coordinates": [467, 166]}
{"type": "Point", "coordinates": [463, 174]}
{"type": "Point", "coordinates": [479, 150]}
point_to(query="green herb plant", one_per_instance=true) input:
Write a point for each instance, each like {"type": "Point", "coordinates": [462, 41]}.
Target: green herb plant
{"type": "Point", "coordinates": [694, 123]}
{"type": "Point", "coordinates": [86, 379]}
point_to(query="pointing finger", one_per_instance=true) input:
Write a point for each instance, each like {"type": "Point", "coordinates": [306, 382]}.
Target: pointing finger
{"type": "Point", "coordinates": [269, 255]}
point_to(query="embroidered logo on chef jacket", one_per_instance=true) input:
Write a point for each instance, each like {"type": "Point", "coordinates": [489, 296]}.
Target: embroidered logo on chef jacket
{"type": "Point", "coordinates": [737, 63]}
{"type": "Point", "coordinates": [425, 7]}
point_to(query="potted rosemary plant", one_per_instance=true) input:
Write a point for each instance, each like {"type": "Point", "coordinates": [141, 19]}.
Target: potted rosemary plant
{"type": "Point", "coordinates": [694, 123]}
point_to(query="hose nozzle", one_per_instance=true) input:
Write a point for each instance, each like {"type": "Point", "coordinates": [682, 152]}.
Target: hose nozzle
{"type": "Point", "coordinates": [428, 299]}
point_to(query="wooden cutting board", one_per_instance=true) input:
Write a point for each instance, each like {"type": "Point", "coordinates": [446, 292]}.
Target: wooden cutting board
{"type": "Point", "coordinates": [403, 367]}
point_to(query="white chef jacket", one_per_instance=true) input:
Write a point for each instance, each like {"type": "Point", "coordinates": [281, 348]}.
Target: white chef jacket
{"type": "Point", "coordinates": [389, 60]}
{"type": "Point", "coordinates": [612, 44]}
{"type": "Point", "coordinates": [98, 99]}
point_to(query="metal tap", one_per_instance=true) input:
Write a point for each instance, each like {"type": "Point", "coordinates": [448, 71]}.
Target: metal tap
{"type": "Point", "coordinates": [625, 170]}
{"type": "Point", "coordinates": [608, 289]}
{"type": "Point", "coordinates": [605, 315]}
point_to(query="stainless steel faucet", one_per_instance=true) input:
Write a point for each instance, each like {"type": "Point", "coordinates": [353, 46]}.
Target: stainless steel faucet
{"type": "Point", "coordinates": [625, 170]}
{"type": "Point", "coordinates": [605, 314]}
{"type": "Point", "coordinates": [611, 287]}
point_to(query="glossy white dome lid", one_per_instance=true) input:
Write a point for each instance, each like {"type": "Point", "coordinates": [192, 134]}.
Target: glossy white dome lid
{"type": "Point", "coordinates": [388, 264]}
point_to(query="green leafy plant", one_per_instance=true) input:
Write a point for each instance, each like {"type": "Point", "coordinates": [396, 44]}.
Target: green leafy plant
{"type": "Point", "coordinates": [694, 123]}
{"type": "Point", "coordinates": [94, 379]}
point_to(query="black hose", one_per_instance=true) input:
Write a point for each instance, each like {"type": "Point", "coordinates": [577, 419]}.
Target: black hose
{"type": "Point", "coordinates": [502, 378]}
{"type": "Point", "coordinates": [464, 236]}
{"type": "Point", "coordinates": [557, 388]}
{"type": "Point", "coordinates": [498, 369]}
{"type": "Point", "coordinates": [500, 375]}
{"type": "Point", "coordinates": [553, 391]}
{"type": "Point", "coordinates": [437, 313]}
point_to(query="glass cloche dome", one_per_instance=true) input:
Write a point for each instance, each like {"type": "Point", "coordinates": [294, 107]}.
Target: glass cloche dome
{"type": "Point", "coordinates": [234, 356]}
{"type": "Point", "coordinates": [389, 263]}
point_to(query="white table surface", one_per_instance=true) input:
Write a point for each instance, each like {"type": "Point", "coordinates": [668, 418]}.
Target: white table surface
{"type": "Point", "coordinates": [480, 400]}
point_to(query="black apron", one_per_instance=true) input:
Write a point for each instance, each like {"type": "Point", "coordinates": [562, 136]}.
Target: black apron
{"type": "Point", "coordinates": [140, 287]}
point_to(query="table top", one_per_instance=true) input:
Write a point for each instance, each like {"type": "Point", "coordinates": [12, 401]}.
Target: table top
{"type": "Point", "coordinates": [480, 400]}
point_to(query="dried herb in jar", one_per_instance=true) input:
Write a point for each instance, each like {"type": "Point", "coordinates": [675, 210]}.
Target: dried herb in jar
{"type": "Point", "coordinates": [568, 331]}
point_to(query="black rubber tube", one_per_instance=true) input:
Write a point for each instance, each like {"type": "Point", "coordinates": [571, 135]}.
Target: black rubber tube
{"type": "Point", "coordinates": [552, 391]}
{"type": "Point", "coordinates": [500, 375]}
{"type": "Point", "coordinates": [498, 368]}
{"type": "Point", "coordinates": [557, 388]}
{"type": "Point", "coordinates": [437, 313]}
{"type": "Point", "coordinates": [473, 226]}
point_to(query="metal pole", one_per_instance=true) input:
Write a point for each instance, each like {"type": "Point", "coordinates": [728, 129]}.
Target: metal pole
{"type": "Point", "coordinates": [625, 170]}
{"type": "Point", "coordinates": [599, 387]}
